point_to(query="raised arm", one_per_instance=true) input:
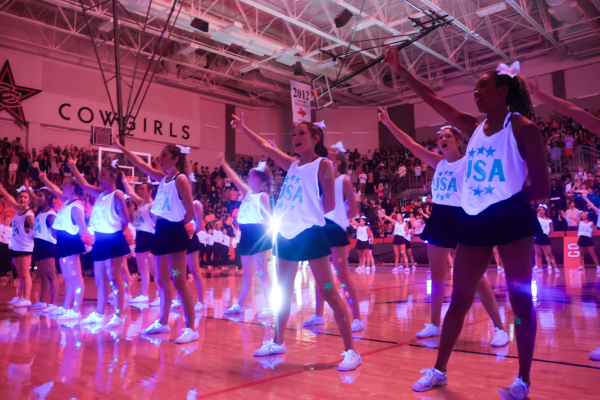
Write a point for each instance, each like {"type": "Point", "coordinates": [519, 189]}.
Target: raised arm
{"type": "Point", "coordinates": [348, 190]}
{"type": "Point", "coordinates": [53, 188]}
{"type": "Point", "coordinates": [139, 162]}
{"type": "Point", "coordinates": [590, 204]}
{"type": "Point", "coordinates": [465, 122]}
{"type": "Point", "coordinates": [131, 192]}
{"type": "Point", "coordinates": [429, 157]}
{"type": "Point", "coordinates": [282, 159]}
{"type": "Point", "coordinates": [353, 223]}
{"type": "Point", "coordinates": [235, 179]}
{"type": "Point", "coordinates": [8, 197]}
{"type": "Point", "coordinates": [32, 195]}
{"type": "Point", "coordinates": [185, 193]}
{"type": "Point", "coordinates": [90, 189]}
{"type": "Point", "coordinates": [565, 107]}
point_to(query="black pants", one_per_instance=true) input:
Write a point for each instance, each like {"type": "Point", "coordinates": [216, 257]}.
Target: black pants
{"type": "Point", "coordinates": [224, 255]}
{"type": "Point", "coordinates": [202, 252]}
{"type": "Point", "coordinates": [209, 254]}
{"type": "Point", "coordinates": [6, 264]}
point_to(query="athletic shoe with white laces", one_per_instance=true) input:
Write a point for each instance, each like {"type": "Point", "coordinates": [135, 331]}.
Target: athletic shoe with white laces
{"type": "Point", "coordinates": [115, 322]}
{"type": "Point", "coordinates": [155, 302]}
{"type": "Point", "coordinates": [395, 270]}
{"type": "Point", "coordinates": [595, 355]}
{"type": "Point", "coordinates": [357, 325]}
{"type": "Point", "coordinates": [580, 267]}
{"type": "Point", "coordinates": [368, 269]}
{"type": "Point", "coordinates": [414, 267]}
{"type": "Point", "coordinates": [94, 318]}
{"type": "Point", "coordinates": [351, 361]}
{"type": "Point", "coordinates": [50, 308]}
{"type": "Point", "coordinates": [500, 338]}
{"type": "Point", "coordinates": [157, 327]}
{"type": "Point", "coordinates": [38, 306]}
{"type": "Point", "coordinates": [517, 391]}
{"type": "Point", "coordinates": [189, 335]}
{"type": "Point", "coordinates": [549, 267]}
{"type": "Point", "coordinates": [14, 300]}
{"type": "Point", "coordinates": [535, 267]}
{"type": "Point", "coordinates": [407, 270]}
{"type": "Point", "coordinates": [373, 268]}
{"type": "Point", "coordinates": [70, 314]}
{"type": "Point", "coordinates": [22, 303]}
{"type": "Point", "coordinates": [597, 268]}
{"type": "Point", "coordinates": [59, 311]}
{"type": "Point", "coordinates": [176, 303]}
{"type": "Point", "coordinates": [140, 299]}
{"type": "Point", "coordinates": [199, 307]}
{"type": "Point", "coordinates": [266, 313]}
{"type": "Point", "coordinates": [359, 269]}
{"type": "Point", "coordinates": [126, 297]}
{"type": "Point", "coordinates": [234, 309]}
{"type": "Point", "coordinates": [429, 331]}
{"type": "Point", "coordinates": [269, 347]}
{"type": "Point", "coordinates": [314, 320]}
{"type": "Point", "coordinates": [432, 378]}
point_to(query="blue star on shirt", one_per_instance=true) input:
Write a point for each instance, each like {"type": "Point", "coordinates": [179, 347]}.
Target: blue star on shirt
{"type": "Point", "coordinates": [450, 173]}
{"type": "Point", "coordinates": [291, 208]}
{"type": "Point", "coordinates": [477, 192]}
{"type": "Point", "coordinates": [490, 152]}
{"type": "Point", "coordinates": [297, 179]}
{"type": "Point", "coordinates": [292, 177]}
{"type": "Point", "coordinates": [448, 195]}
{"type": "Point", "coordinates": [279, 205]}
{"type": "Point", "coordinates": [471, 153]}
{"type": "Point", "coordinates": [489, 189]}
{"type": "Point", "coordinates": [480, 150]}
{"type": "Point", "coordinates": [440, 196]}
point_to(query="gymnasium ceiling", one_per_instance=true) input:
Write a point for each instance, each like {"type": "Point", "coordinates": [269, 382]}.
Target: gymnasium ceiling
{"type": "Point", "coordinates": [251, 47]}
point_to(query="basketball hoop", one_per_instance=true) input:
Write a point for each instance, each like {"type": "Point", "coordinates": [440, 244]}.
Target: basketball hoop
{"type": "Point", "coordinates": [131, 179]}
{"type": "Point", "coordinates": [322, 92]}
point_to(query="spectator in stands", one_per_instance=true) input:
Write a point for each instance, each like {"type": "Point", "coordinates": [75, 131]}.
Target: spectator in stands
{"type": "Point", "coordinates": [572, 217]}
{"type": "Point", "coordinates": [557, 197]}
{"type": "Point", "coordinates": [580, 175]}
{"type": "Point", "coordinates": [418, 171]}
{"type": "Point", "coordinates": [555, 157]}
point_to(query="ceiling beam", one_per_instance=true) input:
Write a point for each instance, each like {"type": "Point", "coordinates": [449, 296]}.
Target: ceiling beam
{"type": "Point", "coordinates": [525, 14]}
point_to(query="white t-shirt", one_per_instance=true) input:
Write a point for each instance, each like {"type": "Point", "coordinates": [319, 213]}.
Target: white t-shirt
{"type": "Point", "coordinates": [568, 142]}
{"type": "Point", "coordinates": [362, 178]}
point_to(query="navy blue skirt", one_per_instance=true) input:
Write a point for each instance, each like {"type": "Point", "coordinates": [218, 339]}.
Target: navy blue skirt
{"type": "Point", "coordinates": [194, 244]}
{"type": "Point", "coordinates": [109, 245]}
{"type": "Point", "coordinates": [143, 241]}
{"type": "Point", "coordinates": [400, 240]}
{"type": "Point", "coordinates": [43, 249]}
{"type": "Point", "coordinates": [170, 237]}
{"type": "Point", "coordinates": [360, 245]}
{"type": "Point", "coordinates": [310, 244]}
{"type": "Point", "coordinates": [337, 236]}
{"type": "Point", "coordinates": [68, 245]}
{"type": "Point", "coordinates": [254, 240]}
{"type": "Point", "coordinates": [442, 226]}
{"type": "Point", "coordinates": [585, 241]}
{"type": "Point", "coordinates": [542, 240]}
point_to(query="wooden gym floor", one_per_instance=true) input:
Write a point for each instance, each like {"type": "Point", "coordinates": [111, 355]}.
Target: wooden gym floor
{"type": "Point", "coordinates": [41, 358]}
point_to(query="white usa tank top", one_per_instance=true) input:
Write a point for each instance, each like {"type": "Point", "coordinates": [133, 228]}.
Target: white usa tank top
{"type": "Point", "coordinates": [217, 236]}
{"type": "Point", "coordinates": [21, 240]}
{"type": "Point", "coordinates": [105, 218]}
{"type": "Point", "coordinates": [64, 222]}
{"type": "Point", "coordinates": [446, 186]}
{"type": "Point", "coordinates": [143, 220]}
{"type": "Point", "coordinates": [40, 227]}
{"type": "Point", "coordinates": [399, 229]}
{"type": "Point", "coordinates": [494, 169]}
{"type": "Point", "coordinates": [250, 212]}
{"type": "Point", "coordinates": [339, 214]}
{"type": "Point", "coordinates": [585, 229]}
{"type": "Point", "coordinates": [361, 234]}
{"type": "Point", "coordinates": [167, 203]}
{"type": "Point", "coordinates": [545, 223]}
{"type": "Point", "coordinates": [299, 206]}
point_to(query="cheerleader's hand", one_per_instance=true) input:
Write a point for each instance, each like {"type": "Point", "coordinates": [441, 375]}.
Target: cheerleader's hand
{"type": "Point", "coordinates": [221, 156]}
{"type": "Point", "coordinates": [189, 228]}
{"type": "Point", "coordinates": [115, 142]}
{"type": "Point", "coordinates": [238, 124]}
{"type": "Point", "coordinates": [383, 115]}
{"type": "Point", "coordinates": [71, 162]}
{"type": "Point", "coordinates": [533, 86]}
{"type": "Point", "coordinates": [42, 176]}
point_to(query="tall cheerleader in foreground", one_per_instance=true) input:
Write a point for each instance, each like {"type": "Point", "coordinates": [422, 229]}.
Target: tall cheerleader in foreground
{"type": "Point", "coordinates": [308, 193]}
{"type": "Point", "coordinates": [336, 222]}
{"type": "Point", "coordinates": [71, 231]}
{"type": "Point", "coordinates": [109, 218]}
{"type": "Point", "coordinates": [254, 217]}
{"type": "Point", "coordinates": [440, 232]}
{"type": "Point", "coordinates": [21, 242]}
{"type": "Point", "coordinates": [173, 208]}
{"type": "Point", "coordinates": [502, 152]}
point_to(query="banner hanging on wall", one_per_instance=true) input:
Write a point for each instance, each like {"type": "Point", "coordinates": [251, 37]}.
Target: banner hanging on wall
{"type": "Point", "coordinates": [300, 102]}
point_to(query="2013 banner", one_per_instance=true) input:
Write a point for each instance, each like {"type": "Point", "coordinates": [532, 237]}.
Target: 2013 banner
{"type": "Point", "coordinates": [300, 102]}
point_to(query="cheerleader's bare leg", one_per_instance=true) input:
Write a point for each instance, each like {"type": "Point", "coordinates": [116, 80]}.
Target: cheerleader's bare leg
{"type": "Point", "coordinates": [114, 269]}
{"type": "Point", "coordinates": [397, 255]}
{"type": "Point", "coordinates": [68, 278]}
{"type": "Point", "coordinates": [247, 279]}
{"type": "Point", "coordinates": [178, 265]}
{"type": "Point", "coordinates": [23, 263]}
{"type": "Point", "coordinates": [438, 257]}
{"type": "Point", "coordinates": [77, 282]}
{"type": "Point", "coordinates": [163, 281]}
{"type": "Point", "coordinates": [340, 262]}
{"type": "Point", "coordinates": [103, 286]}
{"type": "Point", "coordinates": [126, 276]}
{"type": "Point", "coordinates": [45, 286]}
{"type": "Point", "coordinates": [286, 274]}
{"type": "Point", "coordinates": [549, 256]}
{"type": "Point", "coordinates": [538, 255]}
{"type": "Point", "coordinates": [193, 262]}
{"type": "Point", "coordinates": [143, 261]}
{"type": "Point", "coordinates": [489, 302]}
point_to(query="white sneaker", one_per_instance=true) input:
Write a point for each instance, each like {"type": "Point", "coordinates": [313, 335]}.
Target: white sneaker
{"type": "Point", "coordinates": [140, 299]}
{"type": "Point", "coordinates": [70, 314]}
{"type": "Point", "coordinates": [155, 302]}
{"type": "Point", "coordinates": [314, 320]}
{"type": "Point", "coordinates": [14, 300]}
{"type": "Point", "coordinates": [407, 270]}
{"type": "Point", "coordinates": [597, 268]}
{"type": "Point", "coordinates": [94, 318]}
{"type": "Point", "coordinates": [59, 311]}
{"type": "Point", "coordinates": [367, 269]}
{"type": "Point", "coordinates": [535, 267]}
{"type": "Point", "coordinates": [429, 331]}
{"type": "Point", "coordinates": [266, 313]}
{"type": "Point", "coordinates": [127, 297]}
{"type": "Point", "coordinates": [176, 303]}
{"type": "Point", "coordinates": [115, 322]}
{"type": "Point", "coordinates": [395, 270]}
{"type": "Point", "coordinates": [432, 378]}
{"type": "Point", "coordinates": [50, 308]}
{"type": "Point", "coordinates": [199, 307]}
{"type": "Point", "coordinates": [595, 355]}
{"type": "Point", "coordinates": [373, 268]}
{"type": "Point", "coordinates": [580, 267]}
{"type": "Point", "coordinates": [157, 327]}
{"type": "Point", "coordinates": [234, 309]}
{"type": "Point", "coordinates": [38, 306]}
{"type": "Point", "coordinates": [351, 361]}
{"type": "Point", "coordinates": [500, 338]}
{"type": "Point", "coordinates": [22, 303]}
{"type": "Point", "coordinates": [357, 325]}
{"type": "Point", "coordinates": [189, 335]}
{"type": "Point", "coordinates": [269, 347]}
{"type": "Point", "coordinates": [549, 267]}
{"type": "Point", "coordinates": [414, 267]}
{"type": "Point", "coordinates": [517, 391]}
{"type": "Point", "coordinates": [359, 269]}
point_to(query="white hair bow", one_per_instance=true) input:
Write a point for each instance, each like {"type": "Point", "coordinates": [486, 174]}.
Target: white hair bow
{"type": "Point", "coordinates": [545, 207]}
{"type": "Point", "coordinates": [262, 166]}
{"type": "Point", "coordinates": [150, 181]}
{"type": "Point", "coordinates": [125, 196]}
{"type": "Point", "coordinates": [339, 147]}
{"type": "Point", "coordinates": [446, 127]}
{"type": "Point", "coordinates": [184, 150]}
{"type": "Point", "coordinates": [19, 190]}
{"type": "Point", "coordinates": [114, 163]}
{"type": "Point", "coordinates": [512, 71]}
{"type": "Point", "coordinates": [321, 124]}
{"type": "Point", "coordinates": [193, 178]}
{"type": "Point", "coordinates": [43, 187]}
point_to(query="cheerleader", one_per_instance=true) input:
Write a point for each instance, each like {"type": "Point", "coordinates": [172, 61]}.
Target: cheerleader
{"type": "Point", "coordinates": [44, 242]}
{"type": "Point", "coordinates": [71, 229]}
{"type": "Point", "coordinates": [21, 242]}
{"type": "Point", "coordinates": [300, 217]}
{"type": "Point", "coordinates": [363, 235]}
{"type": "Point", "coordinates": [542, 242]}
{"type": "Point", "coordinates": [401, 232]}
{"type": "Point", "coordinates": [109, 218]}
{"type": "Point", "coordinates": [5, 258]}
{"type": "Point", "coordinates": [210, 244]}
{"type": "Point", "coordinates": [370, 259]}
{"type": "Point", "coordinates": [217, 236]}
{"type": "Point", "coordinates": [173, 208]}
{"type": "Point", "coordinates": [502, 152]}
{"type": "Point", "coordinates": [144, 224]}
{"type": "Point", "coordinates": [254, 218]}
{"type": "Point", "coordinates": [225, 248]}
{"type": "Point", "coordinates": [585, 232]}
{"type": "Point", "coordinates": [336, 222]}
{"type": "Point", "coordinates": [193, 253]}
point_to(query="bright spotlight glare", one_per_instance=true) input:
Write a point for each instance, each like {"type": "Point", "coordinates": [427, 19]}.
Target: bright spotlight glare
{"type": "Point", "coordinates": [276, 298]}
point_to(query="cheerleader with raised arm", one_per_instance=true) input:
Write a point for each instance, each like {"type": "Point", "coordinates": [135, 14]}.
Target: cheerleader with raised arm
{"type": "Point", "coordinates": [254, 218]}
{"type": "Point", "coordinates": [109, 219]}
{"type": "Point", "coordinates": [585, 232]}
{"type": "Point", "coordinates": [542, 242]}
{"type": "Point", "coordinates": [71, 230]}
{"type": "Point", "coordinates": [173, 208]}
{"type": "Point", "coordinates": [401, 231]}
{"type": "Point", "coordinates": [308, 193]}
{"type": "Point", "coordinates": [21, 242]}
{"type": "Point", "coordinates": [363, 238]}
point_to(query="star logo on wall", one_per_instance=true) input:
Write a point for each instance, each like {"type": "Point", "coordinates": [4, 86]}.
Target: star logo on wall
{"type": "Point", "coordinates": [11, 95]}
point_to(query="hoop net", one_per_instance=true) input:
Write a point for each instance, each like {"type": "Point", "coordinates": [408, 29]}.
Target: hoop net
{"type": "Point", "coordinates": [133, 179]}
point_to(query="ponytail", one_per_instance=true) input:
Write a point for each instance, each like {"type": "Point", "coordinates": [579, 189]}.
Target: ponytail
{"type": "Point", "coordinates": [517, 98]}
